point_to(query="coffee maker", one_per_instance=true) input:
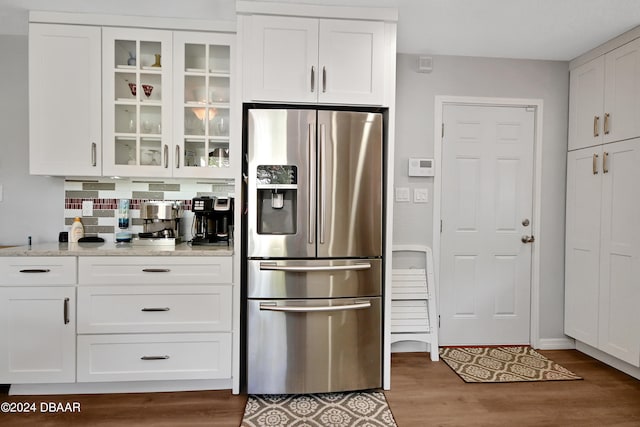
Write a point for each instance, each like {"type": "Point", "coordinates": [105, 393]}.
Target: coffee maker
{"type": "Point", "coordinates": [213, 220]}
{"type": "Point", "coordinates": [160, 223]}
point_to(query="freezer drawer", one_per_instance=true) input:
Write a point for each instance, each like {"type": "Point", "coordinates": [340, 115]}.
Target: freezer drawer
{"type": "Point", "coordinates": [313, 346]}
{"type": "Point", "coordinates": [320, 278]}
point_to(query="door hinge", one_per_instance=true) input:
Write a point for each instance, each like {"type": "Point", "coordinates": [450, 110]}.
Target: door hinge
{"type": "Point", "coordinates": [442, 130]}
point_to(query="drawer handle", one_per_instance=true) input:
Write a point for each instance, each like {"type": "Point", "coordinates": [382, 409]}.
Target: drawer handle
{"type": "Point", "coordinates": [65, 311]}
{"type": "Point", "coordinates": [156, 309]}
{"type": "Point", "coordinates": [154, 357]}
{"type": "Point", "coordinates": [35, 270]}
{"type": "Point", "coordinates": [156, 270]}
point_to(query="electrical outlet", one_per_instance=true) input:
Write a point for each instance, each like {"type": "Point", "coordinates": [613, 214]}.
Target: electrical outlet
{"type": "Point", "coordinates": [87, 208]}
{"type": "Point", "coordinates": [420, 195]}
{"type": "Point", "coordinates": [402, 194]}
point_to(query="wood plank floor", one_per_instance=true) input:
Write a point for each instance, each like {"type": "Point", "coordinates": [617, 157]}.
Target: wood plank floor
{"type": "Point", "coordinates": [423, 393]}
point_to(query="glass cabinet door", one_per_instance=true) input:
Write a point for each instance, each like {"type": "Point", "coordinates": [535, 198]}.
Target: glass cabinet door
{"type": "Point", "coordinates": [137, 102]}
{"type": "Point", "coordinates": [203, 125]}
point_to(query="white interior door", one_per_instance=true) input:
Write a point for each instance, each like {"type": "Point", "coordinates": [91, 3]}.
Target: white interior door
{"type": "Point", "coordinates": [487, 193]}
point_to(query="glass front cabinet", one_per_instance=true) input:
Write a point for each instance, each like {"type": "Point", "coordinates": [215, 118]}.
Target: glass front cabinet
{"type": "Point", "coordinates": [137, 79]}
{"type": "Point", "coordinates": [202, 96]}
{"type": "Point", "coordinates": [167, 103]}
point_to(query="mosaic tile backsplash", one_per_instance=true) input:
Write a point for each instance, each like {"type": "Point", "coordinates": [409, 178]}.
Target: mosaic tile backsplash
{"type": "Point", "coordinates": [106, 194]}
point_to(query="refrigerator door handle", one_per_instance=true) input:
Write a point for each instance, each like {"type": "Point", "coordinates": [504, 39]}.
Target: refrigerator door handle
{"type": "Point", "coordinates": [311, 179]}
{"type": "Point", "coordinates": [272, 266]}
{"type": "Point", "coordinates": [271, 306]}
{"type": "Point", "coordinates": [322, 183]}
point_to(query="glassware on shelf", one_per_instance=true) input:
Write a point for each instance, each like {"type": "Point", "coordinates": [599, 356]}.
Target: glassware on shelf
{"type": "Point", "coordinates": [147, 90]}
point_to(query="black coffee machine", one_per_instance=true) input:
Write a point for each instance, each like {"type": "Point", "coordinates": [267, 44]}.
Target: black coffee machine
{"type": "Point", "coordinates": [213, 220]}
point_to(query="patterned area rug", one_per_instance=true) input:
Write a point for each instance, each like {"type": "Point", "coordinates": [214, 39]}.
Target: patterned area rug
{"type": "Point", "coordinates": [503, 364]}
{"type": "Point", "coordinates": [323, 409]}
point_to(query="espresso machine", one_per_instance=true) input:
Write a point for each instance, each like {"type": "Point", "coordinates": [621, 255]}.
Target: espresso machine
{"type": "Point", "coordinates": [213, 220]}
{"type": "Point", "coordinates": [160, 223]}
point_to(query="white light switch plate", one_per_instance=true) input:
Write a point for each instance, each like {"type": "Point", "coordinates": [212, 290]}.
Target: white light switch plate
{"type": "Point", "coordinates": [402, 194]}
{"type": "Point", "coordinates": [87, 208]}
{"type": "Point", "coordinates": [420, 195]}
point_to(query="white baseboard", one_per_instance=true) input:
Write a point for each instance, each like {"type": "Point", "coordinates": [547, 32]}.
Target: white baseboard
{"type": "Point", "coordinates": [119, 387]}
{"type": "Point", "coordinates": [556, 344]}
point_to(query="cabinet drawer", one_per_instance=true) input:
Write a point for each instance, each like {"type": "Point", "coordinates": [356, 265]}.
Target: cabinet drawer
{"type": "Point", "coordinates": [152, 270]}
{"type": "Point", "coordinates": [39, 271]}
{"type": "Point", "coordinates": [186, 308]}
{"type": "Point", "coordinates": [153, 357]}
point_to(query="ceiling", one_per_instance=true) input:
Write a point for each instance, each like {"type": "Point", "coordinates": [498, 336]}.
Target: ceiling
{"type": "Point", "coordinates": [532, 29]}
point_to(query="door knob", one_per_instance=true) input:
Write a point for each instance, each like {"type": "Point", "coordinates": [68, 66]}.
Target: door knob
{"type": "Point", "coordinates": [528, 239]}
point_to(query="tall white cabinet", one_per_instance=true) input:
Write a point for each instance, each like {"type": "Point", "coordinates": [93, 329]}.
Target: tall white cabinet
{"type": "Point", "coordinates": [602, 262]}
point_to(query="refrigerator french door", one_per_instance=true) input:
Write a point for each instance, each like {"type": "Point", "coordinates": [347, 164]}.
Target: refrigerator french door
{"type": "Point", "coordinates": [314, 250]}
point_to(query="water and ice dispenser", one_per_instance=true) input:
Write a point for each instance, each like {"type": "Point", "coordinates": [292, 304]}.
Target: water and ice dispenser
{"type": "Point", "coordinates": [277, 191]}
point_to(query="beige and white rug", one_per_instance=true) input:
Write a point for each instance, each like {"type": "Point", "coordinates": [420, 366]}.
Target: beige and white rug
{"type": "Point", "coordinates": [368, 409]}
{"type": "Point", "coordinates": [503, 364]}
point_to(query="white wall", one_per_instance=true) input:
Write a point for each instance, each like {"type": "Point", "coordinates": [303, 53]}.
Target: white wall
{"type": "Point", "coordinates": [31, 205]}
{"type": "Point", "coordinates": [487, 77]}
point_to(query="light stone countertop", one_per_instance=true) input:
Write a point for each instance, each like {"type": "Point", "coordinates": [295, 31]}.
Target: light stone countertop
{"type": "Point", "coordinates": [114, 249]}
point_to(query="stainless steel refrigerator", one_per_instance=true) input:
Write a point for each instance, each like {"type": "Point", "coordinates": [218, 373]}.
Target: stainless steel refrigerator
{"type": "Point", "coordinates": [314, 249]}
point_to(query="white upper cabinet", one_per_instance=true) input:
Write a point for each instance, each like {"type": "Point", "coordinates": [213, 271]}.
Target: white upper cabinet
{"type": "Point", "coordinates": [137, 103]}
{"type": "Point", "coordinates": [622, 93]}
{"type": "Point", "coordinates": [309, 60]}
{"type": "Point", "coordinates": [204, 105]}
{"type": "Point", "coordinates": [282, 59]}
{"type": "Point", "coordinates": [604, 100]}
{"type": "Point", "coordinates": [64, 100]}
{"type": "Point", "coordinates": [351, 64]}
{"type": "Point", "coordinates": [586, 100]}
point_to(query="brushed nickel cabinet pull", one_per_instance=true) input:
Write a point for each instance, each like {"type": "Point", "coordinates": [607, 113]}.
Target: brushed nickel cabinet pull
{"type": "Point", "coordinates": [594, 166]}
{"type": "Point", "coordinates": [94, 156]}
{"type": "Point", "coordinates": [65, 311]}
{"type": "Point", "coordinates": [156, 270]}
{"type": "Point", "coordinates": [605, 165]}
{"type": "Point", "coordinates": [596, 126]}
{"type": "Point", "coordinates": [607, 117]}
{"type": "Point", "coordinates": [166, 156]}
{"type": "Point", "coordinates": [156, 309]}
{"type": "Point", "coordinates": [35, 270]}
{"type": "Point", "coordinates": [313, 78]}
{"type": "Point", "coordinates": [324, 79]}
{"type": "Point", "coordinates": [177, 157]}
{"type": "Point", "coordinates": [154, 357]}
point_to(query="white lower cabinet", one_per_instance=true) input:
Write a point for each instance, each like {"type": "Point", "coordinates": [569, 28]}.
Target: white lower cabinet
{"type": "Point", "coordinates": [37, 320]}
{"type": "Point", "coordinates": [138, 357]}
{"type": "Point", "coordinates": [154, 318]}
{"type": "Point", "coordinates": [602, 262]}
